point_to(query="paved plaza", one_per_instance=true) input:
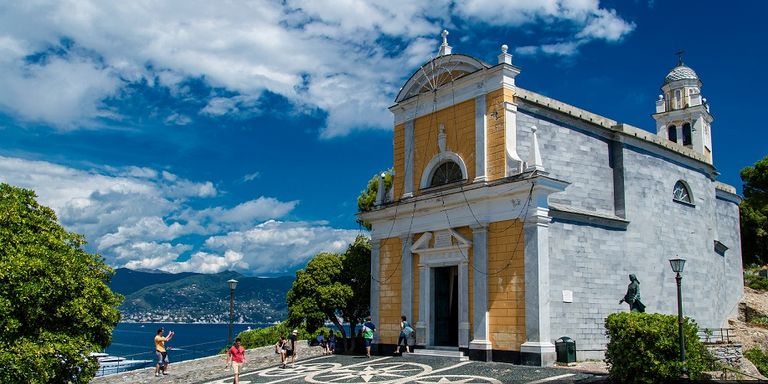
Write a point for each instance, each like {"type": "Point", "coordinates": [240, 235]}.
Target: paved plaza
{"type": "Point", "coordinates": [408, 369]}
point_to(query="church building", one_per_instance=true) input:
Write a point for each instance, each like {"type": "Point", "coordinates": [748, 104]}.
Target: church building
{"type": "Point", "coordinates": [515, 219]}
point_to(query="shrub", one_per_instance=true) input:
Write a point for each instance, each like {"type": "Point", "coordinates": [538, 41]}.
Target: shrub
{"type": "Point", "coordinates": [753, 279]}
{"type": "Point", "coordinates": [756, 282]}
{"type": "Point", "coordinates": [760, 321]}
{"type": "Point", "coordinates": [269, 335]}
{"type": "Point", "coordinates": [644, 348]}
{"type": "Point", "coordinates": [758, 358]}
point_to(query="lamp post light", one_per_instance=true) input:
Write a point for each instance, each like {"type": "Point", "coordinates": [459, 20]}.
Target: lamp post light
{"type": "Point", "coordinates": [677, 267]}
{"type": "Point", "coordinates": [232, 284]}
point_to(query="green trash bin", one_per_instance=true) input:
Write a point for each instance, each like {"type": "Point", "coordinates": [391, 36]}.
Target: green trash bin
{"type": "Point", "coordinates": [565, 347]}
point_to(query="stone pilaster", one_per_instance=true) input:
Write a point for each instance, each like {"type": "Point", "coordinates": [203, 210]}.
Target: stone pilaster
{"type": "Point", "coordinates": [538, 349]}
{"type": "Point", "coordinates": [480, 347]}
{"type": "Point", "coordinates": [480, 139]}
{"type": "Point", "coordinates": [408, 173]}
{"type": "Point", "coordinates": [463, 304]}
{"type": "Point", "coordinates": [422, 326]}
{"type": "Point", "coordinates": [406, 282]}
{"type": "Point", "coordinates": [375, 284]}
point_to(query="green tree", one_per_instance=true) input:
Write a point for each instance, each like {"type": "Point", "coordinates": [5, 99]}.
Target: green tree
{"type": "Point", "coordinates": [367, 197]}
{"type": "Point", "coordinates": [333, 287]}
{"type": "Point", "coordinates": [754, 213]}
{"type": "Point", "coordinates": [317, 293]}
{"type": "Point", "coordinates": [357, 272]}
{"type": "Point", "coordinates": [55, 305]}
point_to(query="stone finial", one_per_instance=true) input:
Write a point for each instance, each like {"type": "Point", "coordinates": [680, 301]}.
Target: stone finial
{"type": "Point", "coordinates": [445, 49]}
{"type": "Point", "coordinates": [381, 193]}
{"type": "Point", "coordinates": [661, 97]}
{"type": "Point", "coordinates": [441, 138]}
{"type": "Point", "coordinates": [504, 57]}
{"type": "Point", "coordinates": [534, 157]}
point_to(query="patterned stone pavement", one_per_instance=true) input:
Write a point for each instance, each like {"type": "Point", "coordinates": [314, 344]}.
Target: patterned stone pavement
{"type": "Point", "coordinates": [339, 369]}
{"type": "Point", "coordinates": [262, 367]}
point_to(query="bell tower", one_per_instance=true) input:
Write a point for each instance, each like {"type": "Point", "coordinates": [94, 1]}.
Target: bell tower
{"type": "Point", "coordinates": [682, 114]}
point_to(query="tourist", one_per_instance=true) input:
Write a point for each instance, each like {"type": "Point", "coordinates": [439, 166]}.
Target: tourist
{"type": "Point", "coordinates": [331, 343]}
{"type": "Point", "coordinates": [368, 329]}
{"type": "Point", "coordinates": [280, 349]}
{"type": "Point", "coordinates": [405, 333]}
{"type": "Point", "coordinates": [236, 357]}
{"type": "Point", "coordinates": [161, 352]}
{"type": "Point", "coordinates": [321, 342]}
{"type": "Point", "coordinates": [293, 350]}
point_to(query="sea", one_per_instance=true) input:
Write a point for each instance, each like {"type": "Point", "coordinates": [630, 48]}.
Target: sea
{"type": "Point", "coordinates": [135, 341]}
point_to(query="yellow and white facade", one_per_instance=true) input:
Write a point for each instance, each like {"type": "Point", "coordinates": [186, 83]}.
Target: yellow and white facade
{"type": "Point", "coordinates": [461, 248]}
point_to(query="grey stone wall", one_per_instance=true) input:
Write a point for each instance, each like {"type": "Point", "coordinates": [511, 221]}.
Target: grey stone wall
{"type": "Point", "coordinates": [594, 260]}
{"type": "Point", "coordinates": [569, 154]}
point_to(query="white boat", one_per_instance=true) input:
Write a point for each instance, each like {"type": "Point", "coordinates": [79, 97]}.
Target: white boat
{"type": "Point", "coordinates": [109, 364]}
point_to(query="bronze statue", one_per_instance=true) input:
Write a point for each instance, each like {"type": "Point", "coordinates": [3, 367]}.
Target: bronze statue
{"type": "Point", "coordinates": [633, 295]}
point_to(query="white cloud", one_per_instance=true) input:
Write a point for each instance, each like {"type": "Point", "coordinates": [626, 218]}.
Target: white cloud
{"type": "Point", "coordinates": [139, 217]}
{"type": "Point", "coordinates": [147, 228]}
{"type": "Point", "coordinates": [209, 263]}
{"type": "Point", "coordinates": [591, 21]}
{"type": "Point", "coordinates": [607, 25]}
{"type": "Point", "coordinates": [557, 49]}
{"type": "Point", "coordinates": [275, 247]}
{"type": "Point", "coordinates": [319, 53]}
{"type": "Point", "coordinates": [149, 255]}
{"type": "Point", "coordinates": [252, 176]}
{"type": "Point", "coordinates": [177, 119]}
{"type": "Point", "coordinates": [65, 91]}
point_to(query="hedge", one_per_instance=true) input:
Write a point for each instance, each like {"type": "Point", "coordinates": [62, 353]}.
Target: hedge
{"type": "Point", "coordinates": [644, 348]}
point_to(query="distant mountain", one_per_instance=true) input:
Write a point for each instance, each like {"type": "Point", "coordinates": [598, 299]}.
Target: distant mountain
{"type": "Point", "coordinates": [195, 297]}
{"type": "Point", "coordinates": [127, 281]}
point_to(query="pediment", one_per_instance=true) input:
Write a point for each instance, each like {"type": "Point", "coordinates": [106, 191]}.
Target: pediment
{"type": "Point", "coordinates": [440, 241]}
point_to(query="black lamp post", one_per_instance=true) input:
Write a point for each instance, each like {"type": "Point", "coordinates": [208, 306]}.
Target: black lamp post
{"type": "Point", "coordinates": [232, 284]}
{"type": "Point", "coordinates": [677, 267]}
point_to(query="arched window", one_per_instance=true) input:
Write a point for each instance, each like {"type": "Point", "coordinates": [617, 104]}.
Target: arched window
{"type": "Point", "coordinates": [681, 193]}
{"type": "Point", "coordinates": [678, 101]}
{"type": "Point", "coordinates": [672, 133]}
{"type": "Point", "coordinates": [446, 173]}
{"type": "Point", "coordinates": [687, 134]}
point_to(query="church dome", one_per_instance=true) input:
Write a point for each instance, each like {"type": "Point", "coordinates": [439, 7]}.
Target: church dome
{"type": "Point", "coordinates": [681, 72]}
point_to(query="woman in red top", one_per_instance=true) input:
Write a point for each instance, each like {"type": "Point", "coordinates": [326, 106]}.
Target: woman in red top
{"type": "Point", "coordinates": [236, 355]}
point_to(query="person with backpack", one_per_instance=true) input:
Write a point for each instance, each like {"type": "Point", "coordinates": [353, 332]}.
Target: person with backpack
{"type": "Point", "coordinates": [368, 329]}
{"type": "Point", "coordinates": [406, 331]}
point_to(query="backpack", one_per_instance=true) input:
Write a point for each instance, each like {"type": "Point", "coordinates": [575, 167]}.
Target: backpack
{"type": "Point", "coordinates": [408, 330]}
{"type": "Point", "coordinates": [367, 332]}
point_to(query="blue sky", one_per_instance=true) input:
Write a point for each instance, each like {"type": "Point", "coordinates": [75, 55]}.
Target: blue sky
{"type": "Point", "coordinates": [199, 136]}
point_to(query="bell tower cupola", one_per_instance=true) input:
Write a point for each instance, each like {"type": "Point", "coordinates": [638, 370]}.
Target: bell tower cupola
{"type": "Point", "coordinates": [682, 114]}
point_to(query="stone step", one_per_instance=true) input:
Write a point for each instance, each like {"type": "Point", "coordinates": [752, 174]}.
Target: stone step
{"type": "Point", "coordinates": [449, 353]}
